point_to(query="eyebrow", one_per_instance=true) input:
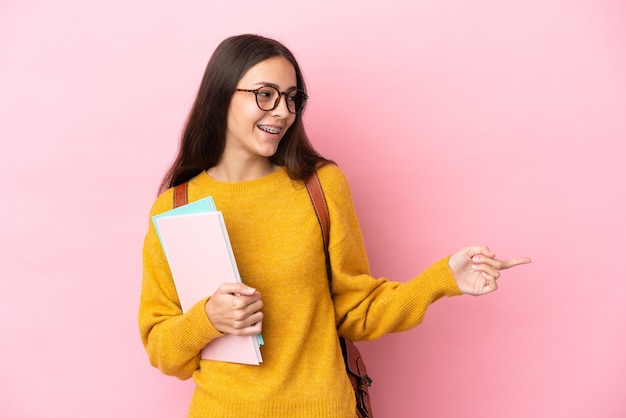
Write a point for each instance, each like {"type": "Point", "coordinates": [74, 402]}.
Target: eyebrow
{"type": "Point", "coordinates": [267, 83]}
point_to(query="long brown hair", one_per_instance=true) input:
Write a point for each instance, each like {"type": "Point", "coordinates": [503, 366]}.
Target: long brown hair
{"type": "Point", "coordinates": [204, 136]}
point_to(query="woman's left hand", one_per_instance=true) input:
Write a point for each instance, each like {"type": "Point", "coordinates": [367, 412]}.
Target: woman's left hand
{"type": "Point", "coordinates": [476, 269]}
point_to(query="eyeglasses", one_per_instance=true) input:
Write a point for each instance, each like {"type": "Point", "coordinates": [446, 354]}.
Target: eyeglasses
{"type": "Point", "coordinates": [268, 98]}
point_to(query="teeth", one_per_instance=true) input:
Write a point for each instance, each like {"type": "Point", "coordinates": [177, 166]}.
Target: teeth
{"type": "Point", "coordinates": [269, 129]}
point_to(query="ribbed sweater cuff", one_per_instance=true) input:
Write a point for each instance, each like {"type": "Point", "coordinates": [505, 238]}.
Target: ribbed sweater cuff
{"type": "Point", "coordinates": [441, 278]}
{"type": "Point", "coordinates": [197, 330]}
{"type": "Point", "coordinates": [434, 283]}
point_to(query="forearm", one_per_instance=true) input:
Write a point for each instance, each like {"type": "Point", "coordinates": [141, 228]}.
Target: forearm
{"type": "Point", "coordinates": [386, 306]}
{"type": "Point", "coordinates": [174, 343]}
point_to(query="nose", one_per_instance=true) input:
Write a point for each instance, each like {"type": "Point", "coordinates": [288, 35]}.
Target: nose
{"type": "Point", "coordinates": [281, 107]}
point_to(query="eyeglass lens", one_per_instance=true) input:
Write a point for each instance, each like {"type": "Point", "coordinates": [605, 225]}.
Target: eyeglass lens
{"type": "Point", "coordinates": [268, 97]}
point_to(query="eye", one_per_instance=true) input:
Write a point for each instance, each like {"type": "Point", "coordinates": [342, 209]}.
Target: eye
{"type": "Point", "coordinates": [295, 96]}
{"type": "Point", "coordinates": [265, 93]}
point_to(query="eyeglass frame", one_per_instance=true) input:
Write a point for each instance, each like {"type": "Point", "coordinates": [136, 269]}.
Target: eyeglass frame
{"type": "Point", "coordinates": [277, 101]}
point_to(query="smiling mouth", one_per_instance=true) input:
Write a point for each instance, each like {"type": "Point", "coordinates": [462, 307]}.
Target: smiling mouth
{"type": "Point", "coordinates": [269, 129]}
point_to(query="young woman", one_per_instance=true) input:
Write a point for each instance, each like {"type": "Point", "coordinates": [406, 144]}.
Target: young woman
{"type": "Point", "coordinates": [245, 145]}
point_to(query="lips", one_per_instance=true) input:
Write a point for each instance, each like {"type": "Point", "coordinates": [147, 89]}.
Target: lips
{"type": "Point", "coordinates": [270, 129]}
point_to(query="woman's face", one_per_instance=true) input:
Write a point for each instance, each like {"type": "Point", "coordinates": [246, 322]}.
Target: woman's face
{"type": "Point", "coordinates": [252, 133]}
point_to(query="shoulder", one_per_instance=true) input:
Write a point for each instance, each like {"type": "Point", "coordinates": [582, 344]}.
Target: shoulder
{"type": "Point", "coordinates": [163, 203]}
{"type": "Point", "coordinates": [334, 183]}
{"type": "Point", "coordinates": [331, 173]}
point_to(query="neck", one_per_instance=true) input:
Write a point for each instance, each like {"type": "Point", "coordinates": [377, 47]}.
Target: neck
{"type": "Point", "coordinates": [241, 170]}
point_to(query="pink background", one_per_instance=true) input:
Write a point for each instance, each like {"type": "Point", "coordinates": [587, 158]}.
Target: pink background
{"type": "Point", "coordinates": [456, 122]}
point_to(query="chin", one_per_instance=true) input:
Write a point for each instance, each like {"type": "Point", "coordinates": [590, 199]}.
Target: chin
{"type": "Point", "coordinates": [268, 151]}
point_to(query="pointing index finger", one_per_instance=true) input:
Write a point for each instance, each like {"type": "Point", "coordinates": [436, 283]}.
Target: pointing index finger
{"type": "Point", "coordinates": [512, 262]}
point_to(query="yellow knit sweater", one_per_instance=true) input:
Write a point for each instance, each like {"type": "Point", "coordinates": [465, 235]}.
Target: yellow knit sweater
{"type": "Point", "coordinates": [278, 246]}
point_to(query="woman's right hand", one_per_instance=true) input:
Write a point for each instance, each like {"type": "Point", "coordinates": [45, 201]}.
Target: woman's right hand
{"type": "Point", "coordinates": [235, 309]}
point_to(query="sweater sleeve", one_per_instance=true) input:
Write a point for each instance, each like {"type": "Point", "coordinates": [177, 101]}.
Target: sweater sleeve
{"type": "Point", "coordinates": [367, 308]}
{"type": "Point", "coordinates": [172, 339]}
